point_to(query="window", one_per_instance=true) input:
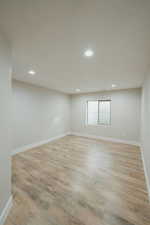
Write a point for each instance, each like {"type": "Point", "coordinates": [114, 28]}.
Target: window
{"type": "Point", "coordinates": [98, 112]}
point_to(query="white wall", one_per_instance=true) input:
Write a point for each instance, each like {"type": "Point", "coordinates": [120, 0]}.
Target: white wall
{"type": "Point", "coordinates": [145, 131]}
{"type": "Point", "coordinates": [125, 115]}
{"type": "Point", "coordinates": [38, 114]}
{"type": "Point", "coordinates": [5, 126]}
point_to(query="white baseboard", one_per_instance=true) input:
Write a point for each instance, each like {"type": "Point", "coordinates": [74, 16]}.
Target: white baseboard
{"type": "Point", "coordinates": [145, 172]}
{"type": "Point", "coordinates": [34, 145]}
{"type": "Point", "coordinates": [106, 139]}
{"type": "Point", "coordinates": [6, 211]}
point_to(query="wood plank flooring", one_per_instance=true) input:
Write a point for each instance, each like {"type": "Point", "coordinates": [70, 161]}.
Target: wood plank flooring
{"type": "Point", "coordinates": [79, 181]}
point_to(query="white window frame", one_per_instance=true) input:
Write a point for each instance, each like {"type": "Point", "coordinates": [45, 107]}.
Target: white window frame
{"type": "Point", "coordinates": [98, 123]}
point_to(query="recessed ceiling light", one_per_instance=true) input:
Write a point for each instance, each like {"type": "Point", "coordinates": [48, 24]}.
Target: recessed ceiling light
{"type": "Point", "coordinates": [31, 72]}
{"type": "Point", "coordinates": [78, 90]}
{"type": "Point", "coordinates": [114, 85]}
{"type": "Point", "coordinates": [89, 53]}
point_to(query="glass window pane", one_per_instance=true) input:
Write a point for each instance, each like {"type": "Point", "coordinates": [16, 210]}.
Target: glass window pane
{"type": "Point", "coordinates": [104, 112]}
{"type": "Point", "coordinates": [92, 112]}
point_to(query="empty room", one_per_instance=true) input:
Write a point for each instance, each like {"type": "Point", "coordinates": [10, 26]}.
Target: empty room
{"type": "Point", "coordinates": [75, 112]}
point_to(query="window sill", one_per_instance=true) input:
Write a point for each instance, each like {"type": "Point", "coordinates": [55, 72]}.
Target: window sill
{"type": "Point", "coordinates": [98, 125]}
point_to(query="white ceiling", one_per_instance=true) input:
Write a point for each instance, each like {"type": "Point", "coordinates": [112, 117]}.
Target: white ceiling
{"type": "Point", "coordinates": [50, 37]}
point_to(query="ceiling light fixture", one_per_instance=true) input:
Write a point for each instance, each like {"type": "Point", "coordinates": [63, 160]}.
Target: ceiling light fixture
{"type": "Point", "coordinates": [89, 53]}
{"type": "Point", "coordinates": [78, 90]}
{"type": "Point", "coordinates": [114, 85]}
{"type": "Point", "coordinates": [31, 72]}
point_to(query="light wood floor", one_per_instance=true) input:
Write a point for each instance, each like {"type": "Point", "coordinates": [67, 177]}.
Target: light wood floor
{"type": "Point", "coordinates": [79, 181]}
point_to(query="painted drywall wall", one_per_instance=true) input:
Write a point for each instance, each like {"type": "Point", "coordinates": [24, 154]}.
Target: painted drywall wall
{"type": "Point", "coordinates": [38, 114]}
{"type": "Point", "coordinates": [125, 115]}
{"type": "Point", "coordinates": [5, 124]}
{"type": "Point", "coordinates": [145, 128]}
